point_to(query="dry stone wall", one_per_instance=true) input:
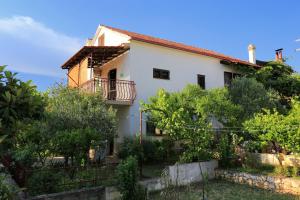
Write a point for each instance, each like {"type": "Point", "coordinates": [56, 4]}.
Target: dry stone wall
{"type": "Point", "coordinates": [278, 184]}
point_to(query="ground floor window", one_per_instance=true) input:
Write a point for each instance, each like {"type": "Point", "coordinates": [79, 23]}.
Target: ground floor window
{"type": "Point", "coordinates": [229, 76]}
{"type": "Point", "coordinates": [201, 81]}
{"type": "Point", "coordinates": [151, 129]}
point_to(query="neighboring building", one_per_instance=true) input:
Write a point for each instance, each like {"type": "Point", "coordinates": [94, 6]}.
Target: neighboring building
{"type": "Point", "coordinates": [129, 67]}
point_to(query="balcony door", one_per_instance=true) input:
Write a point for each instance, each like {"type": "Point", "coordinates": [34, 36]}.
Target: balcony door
{"type": "Point", "coordinates": [112, 84]}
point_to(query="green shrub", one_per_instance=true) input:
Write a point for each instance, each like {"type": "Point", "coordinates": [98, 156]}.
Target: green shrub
{"type": "Point", "coordinates": [151, 151]}
{"type": "Point", "coordinates": [250, 161]}
{"type": "Point", "coordinates": [158, 150]}
{"type": "Point", "coordinates": [130, 147]}
{"type": "Point", "coordinates": [294, 171]}
{"type": "Point", "coordinates": [7, 192]}
{"type": "Point", "coordinates": [44, 181]}
{"type": "Point", "coordinates": [127, 175]}
{"type": "Point", "coordinates": [225, 151]}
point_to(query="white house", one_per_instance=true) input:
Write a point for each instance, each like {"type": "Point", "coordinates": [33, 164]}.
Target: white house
{"type": "Point", "coordinates": [130, 67]}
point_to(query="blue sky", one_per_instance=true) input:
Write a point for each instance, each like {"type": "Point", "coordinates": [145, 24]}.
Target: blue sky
{"type": "Point", "coordinates": [36, 37]}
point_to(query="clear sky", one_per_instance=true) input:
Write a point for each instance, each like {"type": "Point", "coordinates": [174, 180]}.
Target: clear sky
{"type": "Point", "coordinates": [37, 36]}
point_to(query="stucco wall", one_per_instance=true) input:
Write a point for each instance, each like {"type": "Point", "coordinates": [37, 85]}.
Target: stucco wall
{"type": "Point", "coordinates": [81, 69]}
{"type": "Point", "coordinates": [273, 159]}
{"type": "Point", "coordinates": [112, 38]}
{"type": "Point", "coordinates": [183, 66]}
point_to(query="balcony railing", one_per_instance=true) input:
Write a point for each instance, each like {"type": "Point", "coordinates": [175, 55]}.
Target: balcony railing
{"type": "Point", "coordinates": [113, 91]}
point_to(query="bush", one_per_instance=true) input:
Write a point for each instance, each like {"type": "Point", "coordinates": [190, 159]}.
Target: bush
{"type": "Point", "coordinates": [43, 181]}
{"type": "Point", "coordinates": [287, 171]}
{"type": "Point", "coordinates": [225, 151]}
{"type": "Point", "coordinates": [252, 96]}
{"type": "Point", "coordinates": [6, 191]}
{"type": "Point", "coordinates": [130, 147]}
{"type": "Point", "coordinates": [151, 151]}
{"type": "Point", "coordinates": [127, 174]}
{"type": "Point", "coordinates": [158, 151]}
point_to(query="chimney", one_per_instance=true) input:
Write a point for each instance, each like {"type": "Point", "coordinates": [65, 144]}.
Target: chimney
{"type": "Point", "coordinates": [278, 55]}
{"type": "Point", "coordinates": [252, 56]}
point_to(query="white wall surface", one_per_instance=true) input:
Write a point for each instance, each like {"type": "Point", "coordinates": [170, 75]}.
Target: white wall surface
{"type": "Point", "coordinates": [183, 66]}
{"type": "Point", "coordinates": [111, 38]}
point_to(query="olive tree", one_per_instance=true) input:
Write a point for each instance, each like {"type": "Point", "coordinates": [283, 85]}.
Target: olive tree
{"type": "Point", "coordinates": [252, 97]}
{"type": "Point", "coordinates": [78, 120]}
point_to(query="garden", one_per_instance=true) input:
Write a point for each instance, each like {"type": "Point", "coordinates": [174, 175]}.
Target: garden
{"type": "Point", "coordinates": [46, 138]}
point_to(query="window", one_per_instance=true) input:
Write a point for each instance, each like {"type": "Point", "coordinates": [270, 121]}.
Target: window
{"type": "Point", "coordinates": [228, 77]}
{"type": "Point", "coordinates": [151, 130]}
{"type": "Point", "coordinates": [101, 40]}
{"type": "Point", "coordinates": [201, 81]}
{"type": "Point", "coordinates": [161, 74]}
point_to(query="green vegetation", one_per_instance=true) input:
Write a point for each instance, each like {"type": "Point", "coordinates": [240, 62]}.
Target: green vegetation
{"type": "Point", "coordinates": [252, 97]}
{"type": "Point", "coordinates": [217, 190]}
{"type": "Point", "coordinates": [127, 173]}
{"type": "Point", "coordinates": [258, 112]}
{"type": "Point", "coordinates": [7, 192]}
{"type": "Point", "coordinates": [184, 117]}
{"type": "Point", "coordinates": [282, 131]}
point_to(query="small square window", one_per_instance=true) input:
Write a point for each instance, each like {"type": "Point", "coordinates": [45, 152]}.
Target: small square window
{"type": "Point", "coordinates": [151, 130]}
{"type": "Point", "coordinates": [161, 74]}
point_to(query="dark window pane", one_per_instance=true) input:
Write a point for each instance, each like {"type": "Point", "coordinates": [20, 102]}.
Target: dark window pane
{"type": "Point", "coordinates": [227, 78]}
{"type": "Point", "coordinates": [161, 74]}
{"type": "Point", "coordinates": [201, 81]}
{"type": "Point", "coordinates": [235, 75]}
{"type": "Point", "coordinates": [150, 128]}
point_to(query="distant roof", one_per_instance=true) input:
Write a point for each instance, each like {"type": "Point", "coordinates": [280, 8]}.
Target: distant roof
{"type": "Point", "coordinates": [180, 46]}
{"type": "Point", "coordinates": [261, 62]}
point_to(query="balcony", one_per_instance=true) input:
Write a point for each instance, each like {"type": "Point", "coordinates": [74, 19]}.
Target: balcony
{"type": "Point", "coordinates": [119, 92]}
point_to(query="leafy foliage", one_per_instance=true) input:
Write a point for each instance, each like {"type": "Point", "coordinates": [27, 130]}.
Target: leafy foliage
{"type": "Point", "coordinates": [251, 96]}
{"type": "Point", "coordinates": [151, 151]}
{"type": "Point", "coordinates": [280, 77]}
{"type": "Point", "coordinates": [18, 101]}
{"type": "Point", "coordinates": [7, 192]}
{"type": "Point", "coordinates": [78, 121]}
{"type": "Point", "coordinates": [277, 129]}
{"type": "Point", "coordinates": [127, 173]}
{"type": "Point", "coordinates": [44, 182]}
{"type": "Point", "coordinates": [34, 141]}
{"type": "Point", "coordinates": [186, 116]}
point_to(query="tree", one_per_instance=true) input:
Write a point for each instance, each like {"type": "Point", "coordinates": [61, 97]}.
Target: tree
{"type": "Point", "coordinates": [34, 142]}
{"type": "Point", "coordinates": [186, 116]}
{"type": "Point", "coordinates": [78, 121]}
{"type": "Point", "coordinates": [282, 131]}
{"type": "Point", "coordinates": [251, 96]}
{"type": "Point", "coordinates": [18, 101]}
{"type": "Point", "coordinates": [127, 175]}
{"type": "Point", "coordinates": [280, 77]}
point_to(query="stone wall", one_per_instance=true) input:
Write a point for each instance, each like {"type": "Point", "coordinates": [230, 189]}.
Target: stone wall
{"type": "Point", "coordinates": [278, 184]}
{"type": "Point", "coordinates": [272, 159]}
{"type": "Point", "coordinates": [95, 193]}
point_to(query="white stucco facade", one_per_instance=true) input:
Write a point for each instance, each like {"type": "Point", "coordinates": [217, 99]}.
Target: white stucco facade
{"type": "Point", "coordinates": [137, 65]}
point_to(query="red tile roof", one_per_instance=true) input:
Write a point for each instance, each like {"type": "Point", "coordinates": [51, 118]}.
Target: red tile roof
{"type": "Point", "coordinates": [180, 46]}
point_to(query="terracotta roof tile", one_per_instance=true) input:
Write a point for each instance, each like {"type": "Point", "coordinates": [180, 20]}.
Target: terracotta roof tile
{"type": "Point", "coordinates": [180, 46]}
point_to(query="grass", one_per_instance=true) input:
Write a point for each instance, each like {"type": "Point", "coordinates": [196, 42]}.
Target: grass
{"type": "Point", "coordinates": [221, 190]}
